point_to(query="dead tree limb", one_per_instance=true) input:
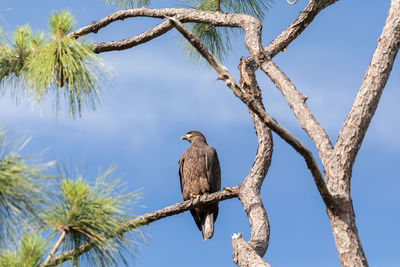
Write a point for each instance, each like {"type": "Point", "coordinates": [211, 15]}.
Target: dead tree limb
{"type": "Point", "coordinates": [297, 103]}
{"type": "Point", "coordinates": [249, 193]}
{"type": "Point", "coordinates": [144, 37]}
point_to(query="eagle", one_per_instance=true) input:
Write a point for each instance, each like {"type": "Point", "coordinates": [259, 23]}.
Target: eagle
{"type": "Point", "coordinates": [200, 174]}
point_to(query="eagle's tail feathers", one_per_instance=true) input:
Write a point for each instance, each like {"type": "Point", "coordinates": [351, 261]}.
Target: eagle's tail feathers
{"type": "Point", "coordinates": [207, 229]}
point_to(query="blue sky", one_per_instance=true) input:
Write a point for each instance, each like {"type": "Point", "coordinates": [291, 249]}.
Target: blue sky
{"type": "Point", "coordinates": [158, 95]}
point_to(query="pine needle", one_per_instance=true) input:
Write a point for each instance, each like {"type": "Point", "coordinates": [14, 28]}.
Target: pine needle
{"type": "Point", "coordinates": [218, 39]}
{"type": "Point", "coordinates": [93, 213]}
{"type": "Point", "coordinates": [126, 4]}
{"type": "Point", "coordinates": [22, 193]}
{"type": "Point", "coordinates": [29, 253]}
{"type": "Point", "coordinates": [58, 66]}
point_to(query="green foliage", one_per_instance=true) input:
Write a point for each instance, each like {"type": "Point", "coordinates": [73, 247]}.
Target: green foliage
{"type": "Point", "coordinates": [22, 39]}
{"type": "Point", "coordinates": [256, 8]}
{"type": "Point", "coordinates": [69, 64]}
{"type": "Point", "coordinates": [92, 213]}
{"type": "Point", "coordinates": [9, 63]}
{"type": "Point", "coordinates": [60, 65]}
{"type": "Point", "coordinates": [217, 39]}
{"type": "Point", "coordinates": [22, 193]}
{"type": "Point", "coordinates": [14, 54]}
{"type": "Point", "coordinates": [125, 4]}
{"type": "Point", "coordinates": [29, 253]}
{"type": "Point", "coordinates": [60, 24]}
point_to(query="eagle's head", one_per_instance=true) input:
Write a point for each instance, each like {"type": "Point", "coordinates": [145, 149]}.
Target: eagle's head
{"type": "Point", "coordinates": [192, 136]}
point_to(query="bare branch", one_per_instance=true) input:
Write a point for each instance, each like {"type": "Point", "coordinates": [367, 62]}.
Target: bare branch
{"type": "Point", "coordinates": [184, 15]}
{"type": "Point", "coordinates": [258, 109]}
{"type": "Point", "coordinates": [367, 99]}
{"type": "Point", "coordinates": [297, 103]}
{"type": "Point", "coordinates": [149, 218]}
{"type": "Point", "coordinates": [155, 32]}
{"type": "Point", "coordinates": [217, 19]}
{"type": "Point", "coordinates": [295, 99]}
{"type": "Point", "coordinates": [249, 193]}
{"type": "Point", "coordinates": [251, 25]}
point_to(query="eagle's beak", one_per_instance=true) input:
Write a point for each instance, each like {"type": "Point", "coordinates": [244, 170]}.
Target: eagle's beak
{"type": "Point", "coordinates": [186, 137]}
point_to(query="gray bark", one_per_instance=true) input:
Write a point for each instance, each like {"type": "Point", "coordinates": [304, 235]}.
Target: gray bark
{"type": "Point", "coordinates": [339, 166]}
{"type": "Point", "coordinates": [249, 193]}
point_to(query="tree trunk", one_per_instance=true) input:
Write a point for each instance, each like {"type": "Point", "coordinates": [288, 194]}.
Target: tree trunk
{"type": "Point", "coordinates": [339, 167]}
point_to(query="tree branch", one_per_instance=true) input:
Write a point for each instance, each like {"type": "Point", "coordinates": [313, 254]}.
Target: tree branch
{"type": "Point", "coordinates": [258, 109]}
{"type": "Point", "coordinates": [249, 193]}
{"type": "Point", "coordinates": [295, 99]}
{"type": "Point", "coordinates": [149, 218]}
{"type": "Point", "coordinates": [297, 103]}
{"type": "Point", "coordinates": [183, 14]}
{"type": "Point", "coordinates": [364, 106]}
{"type": "Point", "coordinates": [244, 254]}
{"type": "Point", "coordinates": [144, 37]}
{"type": "Point", "coordinates": [56, 246]}
{"type": "Point", "coordinates": [251, 25]}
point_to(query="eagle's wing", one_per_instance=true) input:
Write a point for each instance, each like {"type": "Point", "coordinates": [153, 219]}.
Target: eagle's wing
{"type": "Point", "coordinates": [213, 169]}
{"type": "Point", "coordinates": [181, 178]}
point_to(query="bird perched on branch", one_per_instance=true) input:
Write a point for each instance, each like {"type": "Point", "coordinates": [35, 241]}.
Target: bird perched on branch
{"type": "Point", "coordinates": [200, 174]}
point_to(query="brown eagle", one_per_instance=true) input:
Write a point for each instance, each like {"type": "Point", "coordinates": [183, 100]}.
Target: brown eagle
{"type": "Point", "coordinates": [199, 174]}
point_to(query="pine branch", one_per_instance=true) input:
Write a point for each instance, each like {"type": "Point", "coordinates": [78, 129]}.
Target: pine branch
{"type": "Point", "coordinates": [148, 218]}
{"type": "Point", "coordinates": [56, 246]}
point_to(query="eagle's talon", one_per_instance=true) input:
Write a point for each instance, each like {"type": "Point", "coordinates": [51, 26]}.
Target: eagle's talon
{"type": "Point", "coordinates": [195, 196]}
{"type": "Point", "coordinates": [229, 189]}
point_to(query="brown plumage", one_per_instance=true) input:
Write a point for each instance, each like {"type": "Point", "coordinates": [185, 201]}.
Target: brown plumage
{"type": "Point", "coordinates": [200, 173]}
